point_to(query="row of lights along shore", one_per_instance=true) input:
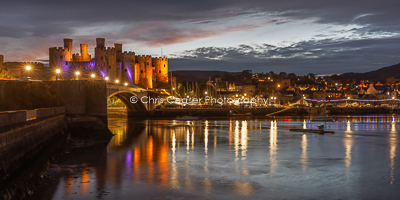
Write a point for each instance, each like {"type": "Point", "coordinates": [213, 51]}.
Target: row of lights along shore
{"type": "Point", "coordinates": [77, 73]}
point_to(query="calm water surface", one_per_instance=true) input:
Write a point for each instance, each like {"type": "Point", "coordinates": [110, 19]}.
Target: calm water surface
{"type": "Point", "coordinates": [236, 159]}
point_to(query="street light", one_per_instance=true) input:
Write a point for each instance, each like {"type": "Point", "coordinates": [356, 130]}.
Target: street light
{"type": "Point", "coordinates": [28, 68]}
{"type": "Point", "coordinates": [106, 78]}
{"type": "Point", "coordinates": [245, 94]}
{"type": "Point", "coordinates": [205, 93]}
{"type": "Point", "coordinates": [58, 71]}
{"type": "Point", "coordinates": [117, 81]}
{"type": "Point", "coordinates": [279, 85]}
{"type": "Point", "coordinates": [126, 84]}
{"type": "Point", "coordinates": [77, 73]}
{"type": "Point", "coordinates": [92, 75]}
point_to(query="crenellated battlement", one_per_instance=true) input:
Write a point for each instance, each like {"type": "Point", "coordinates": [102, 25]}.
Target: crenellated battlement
{"type": "Point", "coordinates": [56, 49]}
{"type": "Point", "coordinates": [160, 58]}
{"type": "Point", "coordinates": [130, 53]}
{"type": "Point", "coordinates": [144, 56]}
{"type": "Point", "coordinates": [25, 63]}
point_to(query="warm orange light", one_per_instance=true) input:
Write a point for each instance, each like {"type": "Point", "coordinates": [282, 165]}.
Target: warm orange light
{"type": "Point", "coordinates": [106, 78]}
{"type": "Point", "coordinates": [126, 84]}
{"type": "Point", "coordinates": [93, 75]}
{"type": "Point", "coordinates": [77, 73]}
{"type": "Point", "coordinates": [117, 81]}
{"type": "Point", "coordinates": [58, 71]}
{"type": "Point", "coordinates": [28, 68]}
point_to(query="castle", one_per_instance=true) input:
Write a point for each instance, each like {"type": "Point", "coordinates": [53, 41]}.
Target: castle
{"type": "Point", "coordinates": [110, 62]}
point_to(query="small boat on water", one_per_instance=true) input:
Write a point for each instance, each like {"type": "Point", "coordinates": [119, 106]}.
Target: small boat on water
{"type": "Point", "coordinates": [187, 118]}
{"type": "Point", "coordinates": [312, 131]}
{"type": "Point", "coordinates": [238, 115]}
{"type": "Point", "coordinates": [322, 119]}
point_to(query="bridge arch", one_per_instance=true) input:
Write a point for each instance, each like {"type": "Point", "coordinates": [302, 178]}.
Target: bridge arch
{"type": "Point", "coordinates": [125, 97]}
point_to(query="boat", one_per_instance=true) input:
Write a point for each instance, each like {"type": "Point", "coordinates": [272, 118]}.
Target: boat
{"type": "Point", "coordinates": [187, 118]}
{"type": "Point", "coordinates": [322, 119]}
{"type": "Point", "coordinates": [312, 131]}
{"type": "Point", "coordinates": [240, 114]}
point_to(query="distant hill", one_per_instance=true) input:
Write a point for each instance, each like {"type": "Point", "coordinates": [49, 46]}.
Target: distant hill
{"type": "Point", "coordinates": [200, 76]}
{"type": "Point", "coordinates": [378, 75]}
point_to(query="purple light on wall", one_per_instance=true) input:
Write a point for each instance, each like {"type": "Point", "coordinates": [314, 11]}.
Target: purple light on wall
{"type": "Point", "coordinates": [129, 74]}
{"type": "Point", "coordinates": [103, 73]}
{"type": "Point", "coordinates": [65, 69]}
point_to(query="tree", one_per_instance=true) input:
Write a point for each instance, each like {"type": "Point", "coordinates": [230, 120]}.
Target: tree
{"type": "Point", "coordinates": [282, 75]}
{"type": "Point", "coordinates": [292, 76]}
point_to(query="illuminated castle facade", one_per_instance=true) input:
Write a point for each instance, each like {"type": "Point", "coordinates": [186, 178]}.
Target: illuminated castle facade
{"type": "Point", "coordinates": [110, 62]}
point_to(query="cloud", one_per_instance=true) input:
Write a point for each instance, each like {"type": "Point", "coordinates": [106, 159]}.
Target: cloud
{"type": "Point", "coordinates": [317, 56]}
{"type": "Point", "coordinates": [28, 28]}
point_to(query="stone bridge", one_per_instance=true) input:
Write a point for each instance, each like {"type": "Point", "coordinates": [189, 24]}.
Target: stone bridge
{"type": "Point", "coordinates": [87, 99]}
{"type": "Point", "coordinates": [125, 93]}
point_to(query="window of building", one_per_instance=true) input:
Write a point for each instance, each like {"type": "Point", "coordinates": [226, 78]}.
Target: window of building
{"type": "Point", "coordinates": [126, 70]}
{"type": "Point", "coordinates": [61, 57]}
{"type": "Point", "coordinates": [159, 71]}
{"type": "Point", "coordinates": [141, 71]}
{"type": "Point", "coordinates": [66, 62]}
{"type": "Point", "coordinates": [109, 67]}
{"type": "Point", "coordinates": [164, 65]}
{"type": "Point", "coordinates": [101, 58]}
{"type": "Point", "coordinates": [147, 63]}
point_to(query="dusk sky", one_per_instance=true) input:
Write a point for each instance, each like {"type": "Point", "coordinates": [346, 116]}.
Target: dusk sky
{"type": "Point", "coordinates": [300, 36]}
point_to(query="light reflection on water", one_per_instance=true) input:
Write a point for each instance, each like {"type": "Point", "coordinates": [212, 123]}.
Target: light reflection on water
{"type": "Point", "coordinates": [241, 159]}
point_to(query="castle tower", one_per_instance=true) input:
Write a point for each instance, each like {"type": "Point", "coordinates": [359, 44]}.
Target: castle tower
{"type": "Point", "coordinates": [118, 50]}
{"type": "Point", "coordinates": [58, 57]}
{"type": "Point", "coordinates": [68, 49]}
{"type": "Point", "coordinates": [1, 61]}
{"type": "Point", "coordinates": [84, 50]}
{"type": "Point", "coordinates": [100, 42]}
{"type": "Point", "coordinates": [128, 67]}
{"type": "Point", "coordinates": [145, 68]}
{"type": "Point", "coordinates": [162, 71]}
{"type": "Point", "coordinates": [105, 59]}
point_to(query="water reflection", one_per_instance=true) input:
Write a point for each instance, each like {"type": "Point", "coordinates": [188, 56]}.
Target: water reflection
{"type": "Point", "coordinates": [304, 156]}
{"type": "Point", "coordinates": [393, 145]}
{"type": "Point", "coordinates": [273, 146]}
{"type": "Point", "coordinates": [160, 157]}
{"type": "Point", "coordinates": [348, 144]}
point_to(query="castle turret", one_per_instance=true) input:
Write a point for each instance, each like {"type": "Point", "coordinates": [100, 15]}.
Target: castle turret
{"type": "Point", "coordinates": [105, 59]}
{"type": "Point", "coordinates": [84, 49]}
{"type": "Point", "coordinates": [118, 51]}
{"type": "Point", "coordinates": [146, 70]}
{"type": "Point", "coordinates": [68, 49]}
{"type": "Point", "coordinates": [100, 42]}
{"type": "Point", "coordinates": [1, 61]}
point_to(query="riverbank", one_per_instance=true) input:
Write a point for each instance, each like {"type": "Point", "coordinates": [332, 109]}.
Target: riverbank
{"type": "Point", "coordinates": [259, 112]}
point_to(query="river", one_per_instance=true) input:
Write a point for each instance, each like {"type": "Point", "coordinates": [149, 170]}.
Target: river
{"type": "Point", "coordinates": [235, 159]}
